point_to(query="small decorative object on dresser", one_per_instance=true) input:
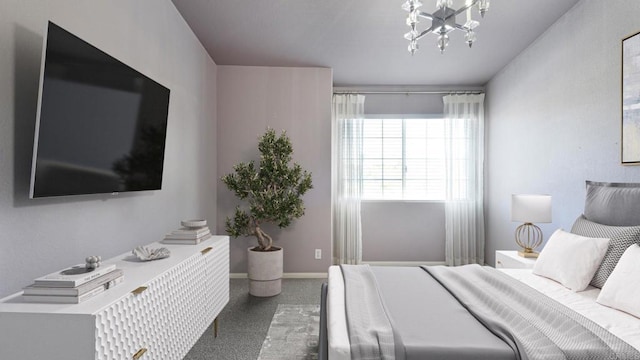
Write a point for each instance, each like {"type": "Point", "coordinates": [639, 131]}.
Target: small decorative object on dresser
{"type": "Point", "coordinates": [530, 209]}
{"type": "Point", "coordinates": [147, 254]}
{"type": "Point", "coordinates": [92, 262]}
{"type": "Point", "coordinates": [192, 232]}
{"type": "Point", "coordinates": [199, 223]}
{"type": "Point", "coordinates": [511, 260]}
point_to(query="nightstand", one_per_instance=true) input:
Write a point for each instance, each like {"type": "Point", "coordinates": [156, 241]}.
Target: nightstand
{"type": "Point", "coordinates": [511, 260]}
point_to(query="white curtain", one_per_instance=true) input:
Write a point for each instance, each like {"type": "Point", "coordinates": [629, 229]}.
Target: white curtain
{"type": "Point", "coordinates": [464, 163]}
{"type": "Point", "coordinates": [346, 179]}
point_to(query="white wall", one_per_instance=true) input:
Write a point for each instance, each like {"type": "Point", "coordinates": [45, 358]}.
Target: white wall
{"type": "Point", "coordinates": [297, 100]}
{"type": "Point", "coordinates": [554, 117]}
{"type": "Point", "coordinates": [41, 236]}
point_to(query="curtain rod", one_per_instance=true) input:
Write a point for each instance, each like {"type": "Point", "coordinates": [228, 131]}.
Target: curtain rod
{"type": "Point", "coordinates": [435, 92]}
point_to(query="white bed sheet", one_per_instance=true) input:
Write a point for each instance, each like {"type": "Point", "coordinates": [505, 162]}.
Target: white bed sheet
{"type": "Point", "coordinates": [623, 325]}
{"type": "Point", "coordinates": [337, 335]}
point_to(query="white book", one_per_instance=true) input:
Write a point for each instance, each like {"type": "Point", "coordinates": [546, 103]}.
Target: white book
{"type": "Point", "coordinates": [191, 231]}
{"type": "Point", "coordinates": [186, 241]}
{"type": "Point", "coordinates": [63, 299]}
{"type": "Point", "coordinates": [60, 279]}
{"type": "Point", "coordinates": [58, 299]}
{"type": "Point", "coordinates": [104, 280]}
{"type": "Point", "coordinates": [188, 236]}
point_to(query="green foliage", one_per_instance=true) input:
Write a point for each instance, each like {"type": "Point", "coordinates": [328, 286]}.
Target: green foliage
{"type": "Point", "coordinates": [273, 191]}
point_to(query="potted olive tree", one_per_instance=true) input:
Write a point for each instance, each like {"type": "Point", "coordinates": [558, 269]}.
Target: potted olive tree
{"type": "Point", "coordinates": [273, 194]}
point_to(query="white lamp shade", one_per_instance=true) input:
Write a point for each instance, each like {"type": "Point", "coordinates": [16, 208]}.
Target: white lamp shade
{"type": "Point", "coordinates": [531, 208]}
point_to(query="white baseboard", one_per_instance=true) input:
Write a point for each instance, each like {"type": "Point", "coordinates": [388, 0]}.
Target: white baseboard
{"type": "Point", "coordinates": [286, 275]}
{"type": "Point", "coordinates": [403, 263]}
{"type": "Point", "coordinates": [324, 275]}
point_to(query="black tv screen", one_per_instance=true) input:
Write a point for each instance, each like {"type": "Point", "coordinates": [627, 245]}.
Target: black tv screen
{"type": "Point", "coordinates": [101, 125]}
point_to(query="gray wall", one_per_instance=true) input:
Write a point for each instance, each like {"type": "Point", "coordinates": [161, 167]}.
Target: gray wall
{"type": "Point", "coordinates": [393, 104]}
{"type": "Point", "coordinates": [400, 231]}
{"type": "Point", "coordinates": [297, 100]}
{"type": "Point", "coordinates": [42, 236]}
{"type": "Point", "coordinates": [553, 118]}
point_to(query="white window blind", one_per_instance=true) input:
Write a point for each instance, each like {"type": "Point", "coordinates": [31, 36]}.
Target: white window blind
{"type": "Point", "coordinates": [403, 159]}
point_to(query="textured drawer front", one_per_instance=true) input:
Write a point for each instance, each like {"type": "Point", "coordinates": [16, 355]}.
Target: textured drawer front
{"type": "Point", "coordinates": [213, 272]}
{"type": "Point", "coordinates": [158, 319]}
{"type": "Point", "coordinates": [218, 268]}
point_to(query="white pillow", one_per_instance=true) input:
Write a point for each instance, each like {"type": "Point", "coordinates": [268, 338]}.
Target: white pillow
{"type": "Point", "coordinates": [622, 289]}
{"type": "Point", "coordinates": [571, 259]}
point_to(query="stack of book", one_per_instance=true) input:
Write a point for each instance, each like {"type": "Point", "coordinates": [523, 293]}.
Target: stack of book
{"type": "Point", "coordinates": [188, 235]}
{"type": "Point", "coordinates": [81, 285]}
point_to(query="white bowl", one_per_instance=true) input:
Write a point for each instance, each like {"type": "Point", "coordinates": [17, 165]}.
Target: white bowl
{"type": "Point", "coordinates": [193, 223]}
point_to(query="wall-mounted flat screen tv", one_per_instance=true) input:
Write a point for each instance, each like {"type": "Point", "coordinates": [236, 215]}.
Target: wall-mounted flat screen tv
{"type": "Point", "coordinates": [101, 125]}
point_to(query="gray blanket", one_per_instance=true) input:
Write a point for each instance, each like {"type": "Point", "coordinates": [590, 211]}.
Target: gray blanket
{"type": "Point", "coordinates": [425, 320]}
{"type": "Point", "coordinates": [370, 332]}
{"type": "Point", "coordinates": [495, 317]}
{"type": "Point", "coordinates": [537, 326]}
{"type": "Point", "coordinates": [429, 323]}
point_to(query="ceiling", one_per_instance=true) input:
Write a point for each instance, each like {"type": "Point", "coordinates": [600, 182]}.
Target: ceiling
{"type": "Point", "coordinates": [362, 40]}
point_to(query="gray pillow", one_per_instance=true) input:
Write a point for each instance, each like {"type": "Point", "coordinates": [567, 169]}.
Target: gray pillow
{"type": "Point", "coordinates": [621, 238]}
{"type": "Point", "coordinates": [616, 204]}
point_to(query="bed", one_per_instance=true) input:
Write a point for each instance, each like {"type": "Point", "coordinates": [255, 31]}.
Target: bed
{"type": "Point", "coordinates": [475, 312]}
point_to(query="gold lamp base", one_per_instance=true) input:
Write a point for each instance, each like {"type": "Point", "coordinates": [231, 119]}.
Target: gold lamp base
{"type": "Point", "coordinates": [532, 254]}
{"type": "Point", "coordinates": [528, 237]}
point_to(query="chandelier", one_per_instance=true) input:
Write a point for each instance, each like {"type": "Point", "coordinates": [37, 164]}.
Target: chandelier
{"type": "Point", "coordinates": [443, 21]}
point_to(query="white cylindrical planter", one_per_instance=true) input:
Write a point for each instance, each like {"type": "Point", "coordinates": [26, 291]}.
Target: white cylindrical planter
{"type": "Point", "coordinates": [265, 272]}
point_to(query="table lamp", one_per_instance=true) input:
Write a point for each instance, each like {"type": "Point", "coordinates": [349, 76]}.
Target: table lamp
{"type": "Point", "coordinates": [530, 209]}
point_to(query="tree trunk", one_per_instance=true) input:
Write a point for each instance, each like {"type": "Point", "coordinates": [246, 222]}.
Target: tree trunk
{"type": "Point", "coordinates": [264, 240]}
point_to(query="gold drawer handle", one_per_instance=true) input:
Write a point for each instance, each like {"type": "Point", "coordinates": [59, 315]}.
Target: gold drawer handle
{"type": "Point", "coordinates": [139, 353]}
{"type": "Point", "coordinates": [206, 250]}
{"type": "Point", "coordinates": [139, 291]}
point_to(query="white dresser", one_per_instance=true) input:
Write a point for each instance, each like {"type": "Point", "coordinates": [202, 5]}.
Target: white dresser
{"type": "Point", "coordinates": [511, 260]}
{"type": "Point", "coordinates": [158, 312]}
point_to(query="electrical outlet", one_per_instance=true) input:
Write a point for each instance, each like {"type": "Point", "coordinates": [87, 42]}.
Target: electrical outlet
{"type": "Point", "coordinates": [318, 254]}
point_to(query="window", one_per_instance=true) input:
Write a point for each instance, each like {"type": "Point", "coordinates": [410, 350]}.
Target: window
{"type": "Point", "coordinates": [403, 159]}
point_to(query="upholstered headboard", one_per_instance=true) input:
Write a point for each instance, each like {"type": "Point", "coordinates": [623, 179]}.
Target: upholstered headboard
{"type": "Point", "coordinates": [615, 204]}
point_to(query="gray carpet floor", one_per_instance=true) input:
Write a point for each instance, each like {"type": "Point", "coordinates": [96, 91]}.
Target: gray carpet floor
{"type": "Point", "coordinates": [244, 322]}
